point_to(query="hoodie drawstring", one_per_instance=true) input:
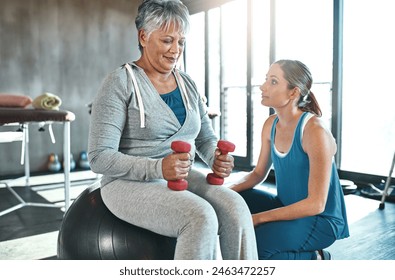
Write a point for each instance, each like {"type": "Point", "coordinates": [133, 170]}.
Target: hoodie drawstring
{"type": "Point", "coordinates": [180, 80]}
{"type": "Point", "coordinates": [139, 99]}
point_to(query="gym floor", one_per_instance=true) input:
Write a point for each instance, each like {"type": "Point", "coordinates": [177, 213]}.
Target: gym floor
{"type": "Point", "coordinates": [31, 232]}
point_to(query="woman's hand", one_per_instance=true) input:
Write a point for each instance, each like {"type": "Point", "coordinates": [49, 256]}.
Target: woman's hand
{"type": "Point", "coordinates": [223, 164]}
{"type": "Point", "coordinates": [176, 166]}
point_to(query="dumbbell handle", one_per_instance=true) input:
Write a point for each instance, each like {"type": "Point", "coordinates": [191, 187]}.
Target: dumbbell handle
{"type": "Point", "coordinates": [225, 147]}
{"type": "Point", "coordinates": [179, 147]}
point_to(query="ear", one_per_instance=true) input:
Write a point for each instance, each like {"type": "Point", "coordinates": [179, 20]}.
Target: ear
{"type": "Point", "coordinates": [294, 93]}
{"type": "Point", "coordinates": [142, 35]}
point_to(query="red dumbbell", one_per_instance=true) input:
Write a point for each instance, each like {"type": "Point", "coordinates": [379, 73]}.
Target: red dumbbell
{"type": "Point", "coordinates": [179, 147]}
{"type": "Point", "coordinates": [225, 147]}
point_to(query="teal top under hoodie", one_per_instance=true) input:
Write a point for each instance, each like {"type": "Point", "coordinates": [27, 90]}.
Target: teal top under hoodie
{"type": "Point", "coordinates": [131, 133]}
{"type": "Point", "coordinates": [292, 175]}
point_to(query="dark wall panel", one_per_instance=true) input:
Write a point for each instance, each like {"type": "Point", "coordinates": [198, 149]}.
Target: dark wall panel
{"type": "Point", "coordinates": [66, 48]}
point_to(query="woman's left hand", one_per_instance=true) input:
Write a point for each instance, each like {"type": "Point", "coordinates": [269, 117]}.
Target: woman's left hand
{"type": "Point", "coordinates": [223, 164]}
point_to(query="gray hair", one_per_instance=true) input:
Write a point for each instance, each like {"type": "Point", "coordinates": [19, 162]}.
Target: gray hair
{"type": "Point", "coordinates": [157, 14]}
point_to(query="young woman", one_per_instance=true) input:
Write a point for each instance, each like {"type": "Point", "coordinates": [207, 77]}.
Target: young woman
{"type": "Point", "coordinates": [308, 213]}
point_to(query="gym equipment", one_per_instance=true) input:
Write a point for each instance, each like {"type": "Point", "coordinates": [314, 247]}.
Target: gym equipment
{"type": "Point", "coordinates": [179, 147]}
{"type": "Point", "coordinates": [89, 231]}
{"type": "Point", "coordinates": [83, 161]}
{"type": "Point", "coordinates": [387, 185]}
{"type": "Point", "coordinates": [225, 147]}
{"type": "Point", "coordinates": [348, 186]}
{"type": "Point", "coordinates": [23, 118]}
{"type": "Point", "coordinates": [382, 191]}
{"type": "Point", "coordinates": [54, 164]}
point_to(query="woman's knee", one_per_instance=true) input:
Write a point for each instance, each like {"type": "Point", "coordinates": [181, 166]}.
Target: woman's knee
{"type": "Point", "coordinates": [204, 221]}
{"type": "Point", "coordinates": [238, 212]}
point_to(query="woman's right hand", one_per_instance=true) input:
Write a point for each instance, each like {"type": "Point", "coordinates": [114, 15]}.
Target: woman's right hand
{"type": "Point", "coordinates": [176, 166]}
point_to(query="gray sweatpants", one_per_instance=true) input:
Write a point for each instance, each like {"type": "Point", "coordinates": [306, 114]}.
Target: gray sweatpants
{"type": "Point", "coordinates": [196, 217]}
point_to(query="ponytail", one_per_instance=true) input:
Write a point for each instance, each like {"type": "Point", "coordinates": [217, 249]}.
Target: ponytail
{"type": "Point", "coordinates": [309, 103]}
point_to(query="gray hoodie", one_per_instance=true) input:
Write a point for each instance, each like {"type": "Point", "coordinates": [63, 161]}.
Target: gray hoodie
{"type": "Point", "coordinates": [131, 133]}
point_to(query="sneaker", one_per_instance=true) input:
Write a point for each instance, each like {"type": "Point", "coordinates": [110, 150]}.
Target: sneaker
{"type": "Point", "coordinates": [323, 255]}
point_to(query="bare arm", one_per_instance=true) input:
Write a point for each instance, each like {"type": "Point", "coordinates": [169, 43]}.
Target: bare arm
{"type": "Point", "coordinates": [262, 168]}
{"type": "Point", "coordinates": [320, 147]}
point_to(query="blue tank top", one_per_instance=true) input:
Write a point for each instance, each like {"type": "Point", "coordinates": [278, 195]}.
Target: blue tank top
{"type": "Point", "coordinates": [292, 175]}
{"type": "Point", "coordinates": [174, 100]}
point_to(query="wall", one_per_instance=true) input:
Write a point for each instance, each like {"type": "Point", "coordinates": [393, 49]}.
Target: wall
{"type": "Point", "coordinates": [66, 48]}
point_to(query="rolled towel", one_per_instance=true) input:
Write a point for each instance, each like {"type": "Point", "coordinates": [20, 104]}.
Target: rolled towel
{"type": "Point", "coordinates": [14, 100]}
{"type": "Point", "coordinates": [47, 101]}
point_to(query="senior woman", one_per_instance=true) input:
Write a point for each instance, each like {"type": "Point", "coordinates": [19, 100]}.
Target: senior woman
{"type": "Point", "coordinates": [141, 108]}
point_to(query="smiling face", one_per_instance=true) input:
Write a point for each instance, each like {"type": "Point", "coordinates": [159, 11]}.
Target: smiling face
{"type": "Point", "coordinates": [162, 48]}
{"type": "Point", "coordinates": [275, 91]}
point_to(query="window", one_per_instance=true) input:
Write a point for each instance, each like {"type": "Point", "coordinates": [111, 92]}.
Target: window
{"type": "Point", "coordinates": [260, 62]}
{"type": "Point", "coordinates": [213, 68]}
{"type": "Point", "coordinates": [304, 31]}
{"type": "Point", "coordinates": [237, 62]}
{"type": "Point", "coordinates": [368, 123]}
{"type": "Point", "coordinates": [195, 52]}
{"type": "Point", "coordinates": [244, 37]}
{"type": "Point", "coordinates": [234, 74]}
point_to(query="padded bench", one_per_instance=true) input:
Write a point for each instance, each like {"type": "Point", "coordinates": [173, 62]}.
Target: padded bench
{"type": "Point", "coordinates": [23, 117]}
